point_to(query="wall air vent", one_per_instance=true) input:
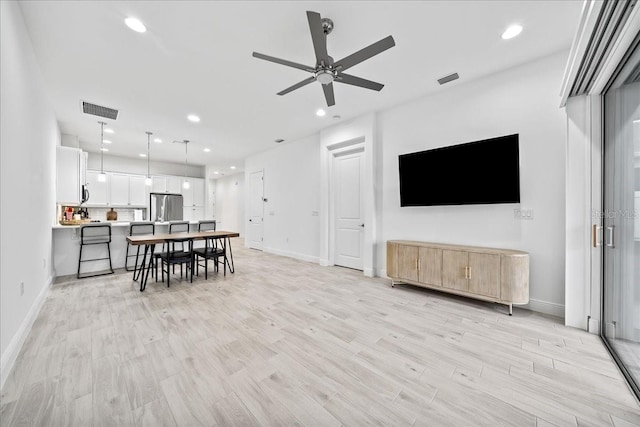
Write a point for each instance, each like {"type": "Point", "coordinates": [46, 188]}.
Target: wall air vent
{"type": "Point", "coordinates": [99, 110]}
{"type": "Point", "coordinates": [449, 78]}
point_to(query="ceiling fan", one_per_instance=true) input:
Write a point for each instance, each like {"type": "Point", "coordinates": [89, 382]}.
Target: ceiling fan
{"type": "Point", "coordinates": [326, 70]}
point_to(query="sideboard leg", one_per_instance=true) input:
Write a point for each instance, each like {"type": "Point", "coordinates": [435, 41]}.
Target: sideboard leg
{"type": "Point", "coordinates": [393, 285]}
{"type": "Point", "coordinates": [510, 309]}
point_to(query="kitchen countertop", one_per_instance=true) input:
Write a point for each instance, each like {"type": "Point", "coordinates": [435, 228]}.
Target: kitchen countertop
{"type": "Point", "coordinates": [113, 224]}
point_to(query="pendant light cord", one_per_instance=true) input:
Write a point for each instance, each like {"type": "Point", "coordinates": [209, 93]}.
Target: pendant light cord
{"type": "Point", "coordinates": [102, 147]}
{"type": "Point", "coordinates": [186, 156]}
{"type": "Point", "coordinates": [148, 152]}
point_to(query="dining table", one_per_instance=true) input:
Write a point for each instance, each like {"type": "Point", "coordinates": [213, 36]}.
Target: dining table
{"type": "Point", "coordinates": [151, 240]}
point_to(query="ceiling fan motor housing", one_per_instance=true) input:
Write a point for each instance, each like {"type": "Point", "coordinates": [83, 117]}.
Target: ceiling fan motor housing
{"type": "Point", "coordinates": [327, 25]}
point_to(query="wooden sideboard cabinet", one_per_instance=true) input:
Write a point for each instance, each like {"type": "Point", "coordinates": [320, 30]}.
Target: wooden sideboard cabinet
{"type": "Point", "coordinates": [489, 274]}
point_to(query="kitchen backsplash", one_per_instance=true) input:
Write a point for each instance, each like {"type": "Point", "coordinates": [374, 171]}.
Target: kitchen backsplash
{"type": "Point", "coordinates": [124, 214]}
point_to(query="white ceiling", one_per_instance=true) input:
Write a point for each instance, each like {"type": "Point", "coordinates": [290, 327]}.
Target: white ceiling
{"type": "Point", "coordinates": [196, 58]}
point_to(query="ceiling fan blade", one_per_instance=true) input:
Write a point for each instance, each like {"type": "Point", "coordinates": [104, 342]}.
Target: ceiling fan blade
{"type": "Point", "coordinates": [318, 37]}
{"type": "Point", "coordinates": [298, 85]}
{"type": "Point", "coordinates": [283, 62]}
{"type": "Point", "coordinates": [328, 94]}
{"type": "Point", "coordinates": [364, 54]}
{"type": "Point", "coordinates": [357, 81]}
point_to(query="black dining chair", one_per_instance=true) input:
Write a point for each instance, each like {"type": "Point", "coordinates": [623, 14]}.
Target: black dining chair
{"type": "Point", "coordinates": [211, 250]}
{"type": "Point", "coordinates": [174, 227]}
{"type": "Point", "coordinates": [170, 258]}
{"type": "Point", "coordinates": [137, 229]}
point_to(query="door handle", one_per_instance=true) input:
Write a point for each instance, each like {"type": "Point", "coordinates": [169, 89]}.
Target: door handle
{"type": "Point", "coordinates": [597, 235]}
{"type": "Point", "coordinates": [361, 225]}
{"type": "Point", "coordinates": [250, 220]}
{"type": "Point", "coordinates": [610, 242]}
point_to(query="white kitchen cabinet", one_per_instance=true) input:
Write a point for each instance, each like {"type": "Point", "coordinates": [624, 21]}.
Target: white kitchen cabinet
{"type": "Point", "coordinates": [174, 184]}
{"type": "Point", "coordinates": [190, 213]}
{"type": "Point", "coordinates": [198, 192]}
{"type": "Point", "coordinates": [194, 195]}
{"type": "Point", "coordinates": [97, 190]}
{"type": "Point", "coordinates": [119, 189]}
{"type": "Point", "coordinates": [70, 175]}
{"type": "Point", "coordinates": [138, 191]}
{"type": "Point", "coordinates": [158, 184]}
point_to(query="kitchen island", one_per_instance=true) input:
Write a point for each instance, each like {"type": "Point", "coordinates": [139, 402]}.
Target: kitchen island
{"type": "Point", "coordinates": [66, 247]}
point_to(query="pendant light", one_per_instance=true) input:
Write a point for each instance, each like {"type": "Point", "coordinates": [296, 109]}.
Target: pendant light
{"type": "Point", "coordinates": [186, 183]}
{"type": "Point", "coordinates": [148, 181]}
{"type": "Point", "coordinates": [102, 177]}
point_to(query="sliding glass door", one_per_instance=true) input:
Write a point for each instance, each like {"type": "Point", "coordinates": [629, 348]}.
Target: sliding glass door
{"type": "Point", "coordinates": [621, 219]}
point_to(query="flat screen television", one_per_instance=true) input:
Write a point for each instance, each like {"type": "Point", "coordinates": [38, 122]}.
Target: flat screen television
{"type": "Point", "coordinates": [479, 172]}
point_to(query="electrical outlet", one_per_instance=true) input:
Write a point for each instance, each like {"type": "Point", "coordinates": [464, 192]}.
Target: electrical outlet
{"type": "Point", "coordinates": [21, 288]}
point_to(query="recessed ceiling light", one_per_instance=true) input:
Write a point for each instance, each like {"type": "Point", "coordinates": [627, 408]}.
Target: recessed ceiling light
{"type": "Point", "coordinates": [232, 167]}
{"type": "Point", "coordinates": [511, 31]}
{"type": "Point", "coordinates": [104, 149]}
{"type": "Point", "coordinates": [206, 150]}
{"type": "Point", "coordinates": [337, 117]}
{"type": "Point", "coordinates": [216, 172]}
{"type": "Point", "coordinates": [108, 131]}
{"type": "Point", "coordinates": [321, 113]}
{"type": "Point", "coordinates": [193, 118]}
{"type": "Point", "coordinates": [135, 24]}
{"type": "Point", "coordinates": [158, 140]}
{"type": "Point", "coordinates": [106, 141]}
{"type": "Point", "coordinates": [142, 155]}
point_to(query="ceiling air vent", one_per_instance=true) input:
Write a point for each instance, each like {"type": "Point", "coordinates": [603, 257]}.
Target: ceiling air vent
{"type": "Point", "coordinates": [449, 78]}
{"type": "Point", "coordinates": [99, 110]}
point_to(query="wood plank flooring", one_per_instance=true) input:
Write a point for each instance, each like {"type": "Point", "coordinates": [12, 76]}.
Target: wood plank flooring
{"type": "Point", "coordinates": [289, 343]}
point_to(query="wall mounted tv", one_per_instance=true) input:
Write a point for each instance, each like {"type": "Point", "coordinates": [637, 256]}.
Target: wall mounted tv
{"type": "Point", "coordinates": [480, 172]}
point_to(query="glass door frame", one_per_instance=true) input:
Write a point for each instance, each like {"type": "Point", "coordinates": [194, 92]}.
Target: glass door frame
{"type": "Point", "coordinates": [606, 271]}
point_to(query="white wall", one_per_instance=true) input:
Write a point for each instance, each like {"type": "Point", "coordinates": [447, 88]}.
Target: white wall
{"type": "Point", "coordinates": [229, 203]}
{"type": "Point", "coordinates": [28, 136]}
{"type": "Point", "coordinates": [291, 186]}
{"type": "Point", "coordinates": [521, 100]}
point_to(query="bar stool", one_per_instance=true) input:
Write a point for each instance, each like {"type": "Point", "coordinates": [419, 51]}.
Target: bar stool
{"type": "Point", "coordinates": [136, 229]}
{"type": "Point", "coordinates": [95, 234]}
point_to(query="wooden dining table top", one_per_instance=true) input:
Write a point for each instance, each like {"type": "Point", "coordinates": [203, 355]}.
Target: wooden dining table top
{"type": "Point", "coordinates": [149, 239]}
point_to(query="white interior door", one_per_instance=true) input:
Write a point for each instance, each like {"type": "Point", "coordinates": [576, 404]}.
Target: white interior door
{"type": "Point", "coordinates": [348, 179]}
{"type": "Point", "coordinates": [256, 209]}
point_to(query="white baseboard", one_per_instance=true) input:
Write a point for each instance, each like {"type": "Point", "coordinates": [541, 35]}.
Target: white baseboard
{"type": "Point", "coordinates": [325, 263]}
{"type": "Point", "coordinates": [295, 255]}
{"type": "Point", "coordinates": [13, 349]}
{"type": "Point", "coordinates": [546, 307]}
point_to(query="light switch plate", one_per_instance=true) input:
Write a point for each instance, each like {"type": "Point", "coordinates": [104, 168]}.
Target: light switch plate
{"type": "Point", "coordinates": [523, 213]}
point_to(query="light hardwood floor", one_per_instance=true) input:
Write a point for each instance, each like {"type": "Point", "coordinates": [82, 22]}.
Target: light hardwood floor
{"type": "Point", "coordinates": [283, 342]}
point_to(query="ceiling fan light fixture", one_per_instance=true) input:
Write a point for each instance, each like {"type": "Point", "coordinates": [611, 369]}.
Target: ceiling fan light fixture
{"type": "Point", "coordinates": [324, 76]}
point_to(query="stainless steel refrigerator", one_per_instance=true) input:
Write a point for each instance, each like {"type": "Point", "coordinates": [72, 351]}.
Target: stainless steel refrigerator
{"type": "Point", "coordinates": [165, 207]}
